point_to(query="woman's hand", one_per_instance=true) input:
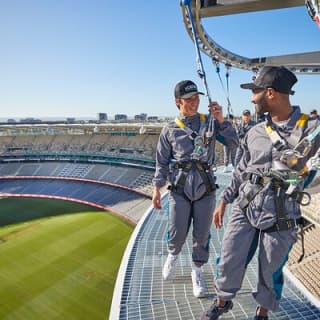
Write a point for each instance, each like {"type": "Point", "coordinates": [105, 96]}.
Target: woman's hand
{"type": "Point", "coordinates": [216, 111]}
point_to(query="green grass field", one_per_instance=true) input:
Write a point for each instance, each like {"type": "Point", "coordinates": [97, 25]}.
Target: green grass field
{"type": "Point", "coordinates": [59, 260]}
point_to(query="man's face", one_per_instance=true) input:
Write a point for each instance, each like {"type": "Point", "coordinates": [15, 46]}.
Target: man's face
{"type": "Point", "coordinates": [260, 101]}
{"type": "Point", "coordinates": [188, 107]}
{"type": "Point", "coordinates": [246, 118]}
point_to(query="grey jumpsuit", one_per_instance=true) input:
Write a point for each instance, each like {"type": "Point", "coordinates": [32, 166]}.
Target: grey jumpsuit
{"type": "Point", "coordinates": [243, 236]}
{"type": "Point", "coordinates": [194, 204]}
{"type": "Point", "coordinates": [241, 131]}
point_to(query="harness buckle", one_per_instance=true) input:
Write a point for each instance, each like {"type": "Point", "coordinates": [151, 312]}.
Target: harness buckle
{"type": "Point", "coordinates": [280, 144]}
{"type": "Point", "coordinates": [255, 179]}
{"type": "Point", "coordinates": [290, 224]}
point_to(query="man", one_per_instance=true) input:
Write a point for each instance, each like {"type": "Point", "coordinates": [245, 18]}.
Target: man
{"type": "Point", "coordinates": [314, 115]}
{"type": "Point", "coordinates": [229, 152]}
{"type": "Point", "coordinates": [185, 155]}
{"type": "Point", "coordinates": [244, 127]}
{"type": "Point", "coordinates": [266, 207]}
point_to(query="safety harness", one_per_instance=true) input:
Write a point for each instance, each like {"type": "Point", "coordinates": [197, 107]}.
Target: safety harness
{"type": "Point", "coordinates": [199, 151]}
{"type": "Point", "coordinates": [204, 170]}
{"type": "Point", "coordinates": [285, 180]}
{"type": "Point", "coordinates": [280, 188]}
{"type": "Point", "coordinates": [199, 139]}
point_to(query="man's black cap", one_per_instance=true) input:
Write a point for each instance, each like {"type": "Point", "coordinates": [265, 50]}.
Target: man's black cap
{"type": "Point", "coordinates": [185, 89]}
{"type": "Point", "coordinates": [279, 78]}
{"type": "Point", "coordinates": [246, 112]}
{"type": "Point", "coordinates": [314, 111]}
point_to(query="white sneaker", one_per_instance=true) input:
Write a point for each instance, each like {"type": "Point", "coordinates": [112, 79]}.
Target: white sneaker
{"type": "Point", "coordinates": [199, 284]}
{"type": "Point", "coordinates": [225, 169]}
{"type": "Point", "coordinates": [169, 266]}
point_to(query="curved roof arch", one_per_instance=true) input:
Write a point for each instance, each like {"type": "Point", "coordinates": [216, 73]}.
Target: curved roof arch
{"type": "Point", "coordinates": [302, 63]}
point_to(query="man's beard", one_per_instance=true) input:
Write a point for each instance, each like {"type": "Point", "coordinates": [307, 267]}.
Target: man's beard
{"type": "Point", "coordinates": [262, 106]}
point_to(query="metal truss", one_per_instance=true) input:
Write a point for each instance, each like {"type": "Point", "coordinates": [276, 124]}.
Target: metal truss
{"type": "Point", "coordinates": [302, 63]}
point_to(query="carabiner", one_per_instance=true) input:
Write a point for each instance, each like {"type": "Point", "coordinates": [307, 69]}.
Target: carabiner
{"type": "Point", "coordinates": [305, 199]}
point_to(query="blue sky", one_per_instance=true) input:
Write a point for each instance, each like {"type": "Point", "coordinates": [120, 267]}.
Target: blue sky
{"type": "Point", "coordinates": [63, 58]}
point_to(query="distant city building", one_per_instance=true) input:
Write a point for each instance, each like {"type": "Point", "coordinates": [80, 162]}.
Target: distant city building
{"type": "Point", "coordinates": [153, 118]}
{"type": "Point", "coordinates": [71, 120]}
{"type": "Point", "coordinates": [30, 120]}
{"type": "Point", "coordinates": [102, 116]}
{"type": "Point", "coordinates": [120, 117]}
{"type": "Point", "coordinates": [11, 121]}
{"type": "Point", "coordinates": [141, 117]}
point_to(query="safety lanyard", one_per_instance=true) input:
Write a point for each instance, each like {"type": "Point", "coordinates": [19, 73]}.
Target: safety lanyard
{"type": "Point", "coordinates": [226, 91]}
{"type": "Point", "coordinates": [210, 128]}
{"type": "Point", "coordinates": [313, 7]}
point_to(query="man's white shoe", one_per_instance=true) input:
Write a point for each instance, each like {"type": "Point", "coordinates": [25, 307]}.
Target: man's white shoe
{"type": "Point", "coordinates": [199, 284]}
{"type": "Point", "coordinates": [225, 169]}
{"type": "Point", "coordinates": [169, 266]}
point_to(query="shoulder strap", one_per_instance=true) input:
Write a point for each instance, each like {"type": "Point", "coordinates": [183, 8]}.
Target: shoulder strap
{"type": "Point", "coordinates": [202, 117]}
{"type": "Point", "coordinates": [193, 134]}
{"type": "Point", "coordinates": [298, 129]}
{"type": "Point", "coordinates": [296, 134]}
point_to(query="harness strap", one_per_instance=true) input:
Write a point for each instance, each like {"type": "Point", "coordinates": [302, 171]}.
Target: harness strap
{"type": "Point", "coordinates": [179, 187]}
{"type": "Point", "coordinates": [198, 138]}
{"type": "Point", "coordinates": [205, 177]}
{"type": "Point", "coordinates": [281, 187]}
{"type": "Point", "coordinates": [298, 129]}
{"type": "Point", "coordinates": [278, 142]}
{"type": "Point", "coordinates": [280, 204]}
{"type": "Point", "coordinates": [193, 134]}
{"type": "Point", "coordinates": [202, 168]}
{"type": "Point", "coordinates": [284, 224]}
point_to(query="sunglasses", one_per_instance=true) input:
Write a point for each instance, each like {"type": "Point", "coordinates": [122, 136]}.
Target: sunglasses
{"type": "Point", "coordinates": [258, 90]}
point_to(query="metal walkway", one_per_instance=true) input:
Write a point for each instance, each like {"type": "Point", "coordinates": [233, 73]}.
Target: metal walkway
{"type": "Point", "coordinates": [140, 292]}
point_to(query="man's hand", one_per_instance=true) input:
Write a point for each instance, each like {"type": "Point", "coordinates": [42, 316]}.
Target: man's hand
{"type": "Point", "coordinates": [218, 214]}
{"type": "Point", "coordinates": [216, 111]}
{"type": "Point", "coordinates": [156, 196]}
